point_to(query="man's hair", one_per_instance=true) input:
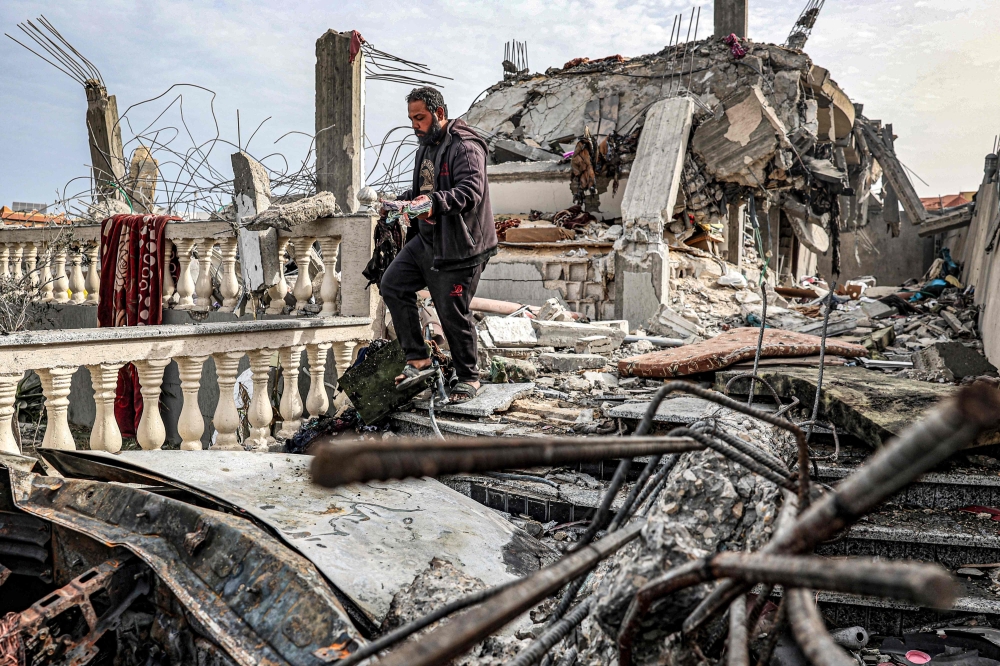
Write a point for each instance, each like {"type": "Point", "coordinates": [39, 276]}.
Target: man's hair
{"type": "Point", "coordinates": [431, 97]}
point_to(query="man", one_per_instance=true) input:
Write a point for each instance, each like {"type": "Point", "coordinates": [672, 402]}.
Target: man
{"type": "Point", "coordinates": [446, 247]}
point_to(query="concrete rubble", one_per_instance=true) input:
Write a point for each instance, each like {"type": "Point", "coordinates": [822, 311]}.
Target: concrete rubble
{"type": "Point", "coordinates": [702, 435]}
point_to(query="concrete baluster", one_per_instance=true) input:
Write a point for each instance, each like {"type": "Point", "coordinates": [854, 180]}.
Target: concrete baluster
{"type": "Point", "coordinates": [8, 393]}
{"type": "Point", "coordinates": [55, 387]}
{"type": "Point", "coordinates": [303, 283]}
{"type": "Point", "coordinates": [168, 277]}
{"type": "Point", "coordinates": [16, 257]}
{"type": "Point", "coordinates": [4, 260]}
{"type": "Point", "coordinates": [185, 283]}
{"type": "Point", "coordinates": [151, 434]}
{"type": "Point", "coordinates": [203, 287]}
{"type": "Point", "coordinates": [343, 353]}
{"type": "Point", "coordinates": [317, 402]}
{"type": "Point", "coordinates": [260, 413]}
{"type": "Point", "coordinates": [226, 419]}
{"type": "Point", "coordinates": [279, 290]}
{"type": "Point", "coordinates": [60, 282]}
{"type": "Point", "coordinates": [190, 424]}
{"type": "Point", "coordinates": [229, 286]}
{"type": "Point", "coordinates": [291, 401]}
{"type": "Point", "coordinates": [77, 283]}
{"type": "Point", "coordinates": [331, 279]}
{"type": "Point", "coordinates": [31, 261]}
{"type": "Point", "coordinates": [105, 435]}
{"type": "Point", "coordinates": [45, 275]}
{"type": "Point", "coordinates": [93, 283]}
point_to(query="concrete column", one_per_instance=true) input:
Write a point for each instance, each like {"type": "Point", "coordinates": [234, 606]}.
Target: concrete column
{"type": "Point", "coordinates": [259, 261]}
{"type": "Point", "coordinates": [105, 135]}
{"type": "Point", "coordinates": [731, 16]}
{"type": "Point", "coordinates": [734, 234]}
{"type": "Point", "coordinates": [339, 119]}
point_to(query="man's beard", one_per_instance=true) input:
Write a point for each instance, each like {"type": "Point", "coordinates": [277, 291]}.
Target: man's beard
{"type": "Point", "coordinates": [430, 137]}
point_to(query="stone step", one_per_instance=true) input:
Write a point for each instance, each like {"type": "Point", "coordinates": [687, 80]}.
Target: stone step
{"type": "Point", "coordinates": [886, 617]}
{"type": "Point", "coordinates": [950, 538]}
{"type": "Point", "coordinates": [940, 491]}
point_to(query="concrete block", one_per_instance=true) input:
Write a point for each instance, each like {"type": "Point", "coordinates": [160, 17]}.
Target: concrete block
{"type": "Point", "coordinates": [561, 334]}
{"type": "Point", "coordinates": [595, 344]}
{"type": "Point", "coordinates": [511, 331]}
{"type": "Point", "coordinates": [878, 310]}
{"type": "Point", "coordinates": [671, 325]}
{"type": "Point", "coordinates": [952, 361]}
{"type": "Point", "coordinates": [492, 398]}
{"type": "Point", "coordinates": [572, 362]}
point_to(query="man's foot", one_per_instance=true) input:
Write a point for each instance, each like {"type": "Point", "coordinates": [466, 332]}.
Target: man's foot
{"type": "Point", "coordinates": [416, 364]}
{"type": "Point", "coordinates": [463, 392]}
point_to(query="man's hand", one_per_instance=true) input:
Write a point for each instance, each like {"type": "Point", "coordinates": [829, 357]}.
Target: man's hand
{"type": "Point", "coordinates": [424, 199]}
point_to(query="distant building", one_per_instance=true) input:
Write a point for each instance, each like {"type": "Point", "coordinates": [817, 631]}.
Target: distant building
{"type": "Point", "coordinates": [25, 207]}
{"type": "Point", "coordinates": [31, 218]}
{"type": "Point", "coordinates": [947, 200]}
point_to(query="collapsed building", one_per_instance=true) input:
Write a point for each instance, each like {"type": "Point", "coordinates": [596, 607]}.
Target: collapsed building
{"type": "Point", "coordinates": [738, 493]}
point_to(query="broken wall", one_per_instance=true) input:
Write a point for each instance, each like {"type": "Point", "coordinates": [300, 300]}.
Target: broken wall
{"type": "Point", "coordinates": [872, 250]}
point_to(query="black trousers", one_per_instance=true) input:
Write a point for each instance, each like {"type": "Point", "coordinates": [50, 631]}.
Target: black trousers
{"type": "Point", "coordinates": [452, 292]}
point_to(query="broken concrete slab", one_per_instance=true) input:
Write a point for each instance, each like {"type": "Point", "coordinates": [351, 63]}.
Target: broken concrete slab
{"type": "Point", "coordinates": [369, 541]}
{"type": "Point", "coordinates": [730, 347]}
{"type": "Point", "coordinates": [737, 145]}
{"type": "Point", "coordinates": [595, 344]}
{"type": "Point", "coordinates": [511, 331]}
{"type": "Point", "coordinates": [492, 398]}
{"type": "Point", "coordinates": [572, 362]}
{"type": "Point", "coordinates": [878, 310]}
{"type": "Point", "coordinates": [682, 410]}
{"type": "Point", "coordinates": [295, 214]}
{"type": "Point", "coordinates": [951, 361]}
{"type": "Point", "coordinates": [419, 425]}
{"type": "Point", "coordinates": [561, 334]}
{"type": "Point", "coordinates": [871, 406]}
{"type": "Point", "coordinates": [670, 324]}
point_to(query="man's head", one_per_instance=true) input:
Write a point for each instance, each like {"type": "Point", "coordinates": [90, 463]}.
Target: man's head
{"type": "Point", "coordinates": [428, 114]}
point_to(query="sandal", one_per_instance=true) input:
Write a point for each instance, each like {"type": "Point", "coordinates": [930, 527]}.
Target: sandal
{"type": "Point", "coordinates": [414, 377]}
{"type": "Point", "coordinates": [466, 389]}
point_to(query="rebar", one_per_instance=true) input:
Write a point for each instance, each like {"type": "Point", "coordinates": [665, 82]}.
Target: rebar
{"type": "Point", "coordinates": [337, 465]}
{"type": "Point", "coordinates": [810, 631]}
{"type": "Point", "coordinates": [552, 635]}
{"type": "Point", "coordinates": [450, 640]}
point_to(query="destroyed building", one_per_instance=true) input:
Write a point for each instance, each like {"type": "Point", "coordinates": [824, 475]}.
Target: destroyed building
{"type": "Point", "coordinates": [698, 439]}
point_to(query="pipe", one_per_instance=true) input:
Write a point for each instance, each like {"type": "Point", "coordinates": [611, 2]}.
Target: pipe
{"type": "Point", "coordinates": [492, 306]}
{"type": "Point", "coordinates": [810, 631]}
{"type": "Point", "coordinates": [450, 640]}
{"type": "Point", "coordinates": [337, 465]}
{"type": "Point", "coordinates": [852, 638]}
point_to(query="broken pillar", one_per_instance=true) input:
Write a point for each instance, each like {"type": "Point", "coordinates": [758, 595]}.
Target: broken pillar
{"type": "Point", "coordinates": [731, 18]}
{"type": "Point", "coordinates": [104, 134]}
{"type": "Point", "coordinates": [259, 261]}
{"type": "Point", "coordinates": [641, 262]}
{"type": "Point", "coordinates": [340, 87]}
{"type": "Point", "coordinates": [890, 202]}
{"type": "Point", "coordinates": [142, 173]}
{"type": "Point", "coordinates": [734, 235]}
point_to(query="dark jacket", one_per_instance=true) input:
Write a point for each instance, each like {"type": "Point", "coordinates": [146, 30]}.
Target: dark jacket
{"type": "Point", "coordinates": [464, 233]}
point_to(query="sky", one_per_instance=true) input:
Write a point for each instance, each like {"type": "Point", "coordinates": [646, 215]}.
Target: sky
{"type": "Point", "coordinates": [928, 66]}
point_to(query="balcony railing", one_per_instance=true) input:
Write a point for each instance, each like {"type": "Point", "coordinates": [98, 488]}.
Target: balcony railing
{"type": "Point", "coordinates": [53, 260]}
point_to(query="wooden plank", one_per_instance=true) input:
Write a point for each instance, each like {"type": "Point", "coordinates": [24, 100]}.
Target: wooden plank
{"type": "Point", "coordinates": [538, 235]}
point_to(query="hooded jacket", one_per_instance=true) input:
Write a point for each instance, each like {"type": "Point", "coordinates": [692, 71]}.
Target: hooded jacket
{"type": "Point", "coordinates": [464, 233]}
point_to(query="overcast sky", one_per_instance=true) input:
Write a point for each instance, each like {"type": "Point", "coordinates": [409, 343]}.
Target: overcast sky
{"type": "Point", "coordinates": [930, 67]}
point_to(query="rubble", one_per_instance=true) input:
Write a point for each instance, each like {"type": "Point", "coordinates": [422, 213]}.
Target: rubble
{"type": "Point", "coordinates": [572, 362]}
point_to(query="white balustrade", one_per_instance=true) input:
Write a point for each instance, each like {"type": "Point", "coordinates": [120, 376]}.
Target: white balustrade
{"type": "Point", "coordinates": [151, 432]}
{"type": "Point", "coordinates": [77, 283]}
{"type": "Point", "coordinates": [17, 256]}
{"type": "Point", "coordinates": [331, 279]}
{"type": "Point", "coordinates": [93, 283]}
{"type": "Point", "coordinates": [317, 402]}
{"type": "Point", "coordinates": [31, 261]}
{"type": "Point", "coordinates": [259, 413]}
{"type": "Point", "coordinates": [290, 407]}
{"type": "Point", "coordinates": [45, 275]}
{"type": "Point", "coordinates": [203, 287]}
{"type": "Point", "coordinates": [185, 283]}
{"type": "Point", "coordinates": [8, 393]}
{"type": "Point", "coordinates": [280, 289]}
{"type": "Point", "coordinates": [105, 435]}
{"type": "Point", "coordinates": [168, 277]}
{"type": "Point", "coordinates": [303, 283]}
{"type": "Point", "coordinates": [60, 282]}
{"type": "Point", "coordinates": [229, 285]}
{"type": "Point", "coordinates": [55, 387]}
{"type": "Point", "coordinates": [190, 425]}
{"type": "Point", "coordinates": [227, 418]}
{"type": "Point", "coordinates": [4, 260]}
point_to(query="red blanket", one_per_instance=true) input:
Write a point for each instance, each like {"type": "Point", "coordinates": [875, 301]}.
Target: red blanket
{"type": "Point", "coordinates": [131, 294]}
